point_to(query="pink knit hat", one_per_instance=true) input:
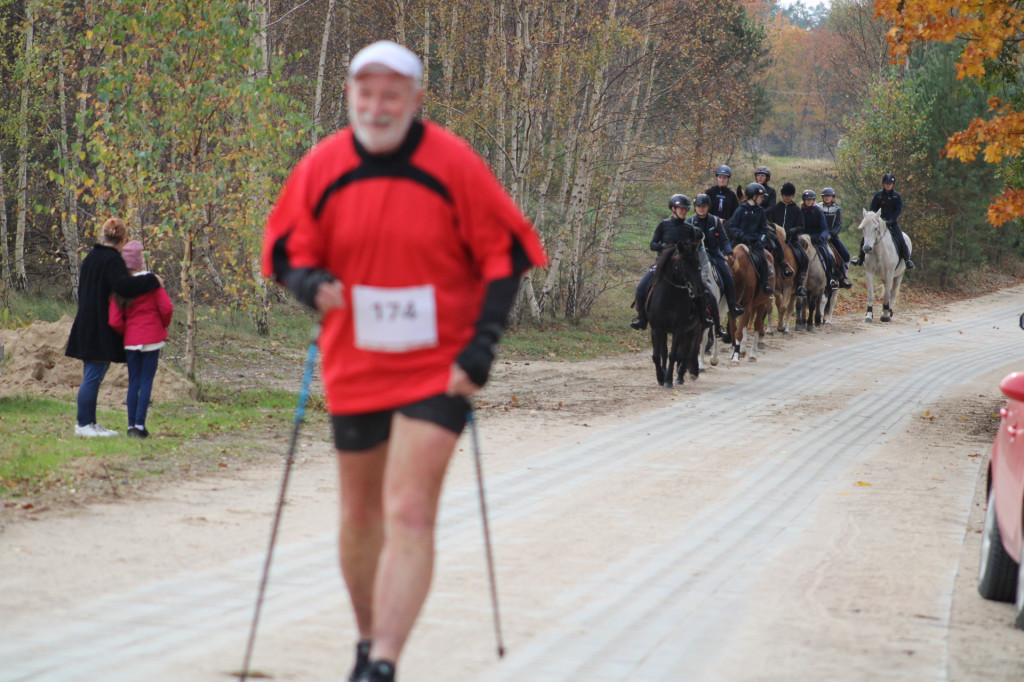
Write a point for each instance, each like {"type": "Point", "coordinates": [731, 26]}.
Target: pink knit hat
{"type": "Point", "coordinates": [132, 254]}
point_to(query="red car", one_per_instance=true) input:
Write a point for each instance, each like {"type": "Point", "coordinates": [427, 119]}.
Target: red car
{"type": "Point", "coordinates": [1001, 573]}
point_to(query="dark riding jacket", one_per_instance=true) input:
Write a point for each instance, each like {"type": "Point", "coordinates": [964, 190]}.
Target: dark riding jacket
{"type": "Point", "coordinates": [716, 241]}
{"type": "Point", "coordinates": [749, 225]}
{"type": "Point", "coordinates": [814, 223]}
{"type": "Point", "coordinates": [891, 204]}
{"type": "Point", "coordinates": [833, 218]}
{"type": "Point", "coordinates": [723, 202]}
{"type": "Point", "coordinates": [769, 200]}
{"type": "Point", "coordinates": [675, 231]}
{"type": "Point", "coordinates": [789, 217]}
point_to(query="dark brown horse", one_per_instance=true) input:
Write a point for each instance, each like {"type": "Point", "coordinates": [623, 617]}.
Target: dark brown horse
{"type": "Point", "coordinates": [671, 309]}
{"type": "Point", "coordinates": [753, 300]}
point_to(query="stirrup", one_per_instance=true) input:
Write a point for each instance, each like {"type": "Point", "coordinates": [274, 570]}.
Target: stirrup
{"type": "Point", "coordinates": [736, 311]}
{"type": "Point", "coordinates": [833, 284]}
{"type": "Point", "coordinates": [801, 290]}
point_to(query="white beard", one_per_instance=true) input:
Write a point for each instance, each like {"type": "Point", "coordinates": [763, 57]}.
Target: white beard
{"type": "Point", "coordinates": [376, 139]}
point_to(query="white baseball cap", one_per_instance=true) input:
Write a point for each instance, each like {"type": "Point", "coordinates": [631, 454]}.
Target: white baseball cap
{"type": "Point", "coordinates": [389, 55]}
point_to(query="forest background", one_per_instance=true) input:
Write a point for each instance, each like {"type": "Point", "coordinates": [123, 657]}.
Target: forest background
{"type": "Point", "coordinates": [185, 116]}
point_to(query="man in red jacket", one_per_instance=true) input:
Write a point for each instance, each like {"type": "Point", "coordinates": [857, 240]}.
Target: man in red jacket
{"type": "Point", "coordinates": [412, 310]}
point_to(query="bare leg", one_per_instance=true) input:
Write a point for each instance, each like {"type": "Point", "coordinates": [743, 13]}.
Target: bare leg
{"type": "Point", "coordinates": [361, 537]}
{"type": "Point", "coordinates": [418, 455]}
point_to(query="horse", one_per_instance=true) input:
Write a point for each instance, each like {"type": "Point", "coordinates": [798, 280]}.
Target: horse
{"type": "Point", "coordinates": [672, 310]}
{"type": "Point", "coordinates": [883, 261]}
{"type": "Point", "coordinates": [816, 281]}
{"type": "Point", "coordinates": [785, 299]}
{"type": "Point", "coordinates": [753, 300]}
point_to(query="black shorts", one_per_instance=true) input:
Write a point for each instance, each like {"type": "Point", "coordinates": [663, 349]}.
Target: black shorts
{"type": "Point", "coordinates": [356, 432]}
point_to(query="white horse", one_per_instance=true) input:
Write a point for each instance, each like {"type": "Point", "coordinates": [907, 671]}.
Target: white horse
{"type": "Point", "coordinates": [709, 340]}
{"type": "Point", "coordinates": [883, 261]}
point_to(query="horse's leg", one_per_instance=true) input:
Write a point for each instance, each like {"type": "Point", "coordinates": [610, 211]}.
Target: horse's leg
{"type": "Point", "coordinates": [673, 359]}
{"type": "Point", "coordinates": [658, 342]}
{"type": "Point", "coordinates": [870, 316]}
{"type": "Point", "coordinates": [886, 299]}
{"type": "Point", "coordinates": [737, 338]}
{"type": "Point", "coordinates": [897, 282]}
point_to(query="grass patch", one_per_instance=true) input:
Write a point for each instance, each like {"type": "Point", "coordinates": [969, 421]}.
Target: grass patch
{"type": "Point", "coordinates": [39, 450]}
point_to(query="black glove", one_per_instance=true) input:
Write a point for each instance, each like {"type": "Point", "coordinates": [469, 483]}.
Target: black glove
{"type": "Point", "coordinates": [304, 282]}
{"type": "Point", "coordinates": [476, 358]}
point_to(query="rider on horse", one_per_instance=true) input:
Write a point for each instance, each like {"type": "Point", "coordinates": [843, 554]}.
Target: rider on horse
{"type": "Point", "coordinates": [787, 215]}
{"type": "Point", "coordinates": [671, 231]}
{"type": "Point", "coordinates": [834, 220]}
{"type": "Point", "coordinates": [891, 204]}
{"type": "Point", "coordinates": [723, 201]}
{"type": "Point", "coordinates": [762, 174]}
{"type": "Point", "coordinates": [717, 247]}
{"type": "Point", "coordinates": [750, 226]}
{"type": "Point", "coordinates": [817, 229]}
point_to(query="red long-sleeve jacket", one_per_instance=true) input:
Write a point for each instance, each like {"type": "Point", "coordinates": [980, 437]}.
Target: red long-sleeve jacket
{"type": "Point", "coordinates": [145, 320]}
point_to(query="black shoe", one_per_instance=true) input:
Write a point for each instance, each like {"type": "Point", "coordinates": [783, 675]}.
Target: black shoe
{"type": "Point", "coordinates": [737, 311]}
{"type": "Point", "coordinates": [638, 324]}
{"type": "Point", "coordinates": [846, 284]}
{"type": "Point", "coordinates": [362, 660]}
{"type": "Point", "coordinates": [857, 261]}
{"type": "Point", "coordinates": [708, 322]}
{"type": "Point", "coordinates": [801, 290]}
{"type": "Point", "coordinates": [910, 264]}
{"type": "Point", "coordinates": [833, 285]}
{"type": "Point", "coordinates": [138, 432]}
{"type": "Point", "coordinates": [378, 671]}
{"type": "Point", "coordinates": [720, 331]}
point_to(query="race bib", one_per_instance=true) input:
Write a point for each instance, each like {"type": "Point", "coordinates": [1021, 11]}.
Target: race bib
{"type": "Point", "coordinates": [394, 319]}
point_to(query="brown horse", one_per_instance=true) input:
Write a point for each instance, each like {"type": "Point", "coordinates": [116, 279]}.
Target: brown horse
{"type": "Point", "coordinates": [785, 299]}
{"type": "Point", "coordinates": [752, 299]}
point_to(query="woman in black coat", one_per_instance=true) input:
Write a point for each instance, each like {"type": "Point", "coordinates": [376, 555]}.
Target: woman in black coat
{"type": "Point", "coordinates": [92, 340]}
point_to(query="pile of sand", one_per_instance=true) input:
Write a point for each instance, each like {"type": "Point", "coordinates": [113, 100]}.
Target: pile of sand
{"type": "Point", "coordinates": [34, 364]}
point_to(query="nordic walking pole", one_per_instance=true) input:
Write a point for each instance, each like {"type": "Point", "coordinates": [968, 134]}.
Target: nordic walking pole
{"type": "Point", "coordinates": [487, 531]}
{"type": "Point", "coordinates": [300, 413]}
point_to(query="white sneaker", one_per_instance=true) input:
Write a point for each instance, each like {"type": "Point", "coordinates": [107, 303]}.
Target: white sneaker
{"type": "Point", "coordinates": [100, 431]}
{"type": "Point", "coordinates": [87, 431]}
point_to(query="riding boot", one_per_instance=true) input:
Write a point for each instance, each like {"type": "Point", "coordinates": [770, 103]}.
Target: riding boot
{"type": "Point", "coordinates": [844, 279]}
{"type": "Point", "coordinates": [766, 278]}
{"type": "Point", "coordinates": [710, 312]}
{"type": "Point", "coordinates": [859, 260]}
{"type": "Point", "coordinates": [910, 264]}
{"type": "Point", "coordinates": [640, 321]}
{"type": "Point", "coordinates": [716, 317]}
{"type": "Point", "coordinates": [730, 295]}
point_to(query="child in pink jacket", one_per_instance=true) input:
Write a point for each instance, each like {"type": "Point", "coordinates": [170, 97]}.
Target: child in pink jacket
{"type": "Point", "coordinates": [143, 321]}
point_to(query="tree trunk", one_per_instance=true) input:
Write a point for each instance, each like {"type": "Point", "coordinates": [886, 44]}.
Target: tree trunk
{"type": "Point", "coordinates": [448, 64]}
{"type": "Point", "coordinates": [5, 256]}
{"type": "Point", "coordinates": [346, 55]}
{"type": "Point", "coordinates": [399, 13]}
{"type": "Point", "coordinates": [69, 214]}
{"type": "Point", "coordinates": [321, 68]}
{"type": "Point", "coordinates": [20, 277]}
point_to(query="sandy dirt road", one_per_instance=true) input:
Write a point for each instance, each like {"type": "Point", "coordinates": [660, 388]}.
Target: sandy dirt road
{"type": "Point", "coordinates": [813, 516]}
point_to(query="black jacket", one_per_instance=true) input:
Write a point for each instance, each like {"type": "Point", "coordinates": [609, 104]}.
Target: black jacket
{"type": "Point", "coordinates": [673, 231]}
{"type": "Point", "coordinates": [769, 200]}
{"type": "Point", "coordinates": [789, 217]}
{"type": "Point", "coordinates": [716, 241]}
{"type": "Point", "coordinates": [723, 202]}
{"type": "Point", "coordinates": [749, 225]}
{"type": "Point", "coordinates": [103, 271]}
{"type": "Point", "coordinates": [891, 204]}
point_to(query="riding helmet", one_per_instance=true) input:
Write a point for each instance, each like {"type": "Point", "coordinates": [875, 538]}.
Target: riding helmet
{"type": "Point", "coordinates": [679, 201]}
{"type": "Point", "coordinates": [809, 194]}
{"type": "Point", "coordinates": [753, 189]}
{"type": "Point", "coordinates": [763, 169]}
{"type": "Point", "coordinates": [702, 200]}
{"type": "Point", "coordinates": [788, 189]}
{"type": "Point", "coordinates": [828, 192]}
{"type": "Point", "coordinates": [724, 170]}
{"type": "Point", "coordinates": [888, 177]}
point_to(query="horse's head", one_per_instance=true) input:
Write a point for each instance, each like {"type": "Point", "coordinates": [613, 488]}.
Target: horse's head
{"type": "Point", "coordinates": [873, 228]}
{"type": "Point", "coordinates": [680, 266]}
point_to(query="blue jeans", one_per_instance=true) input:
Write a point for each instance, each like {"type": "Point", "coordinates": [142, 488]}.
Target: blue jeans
{"type": "Point", "coordinates": [141, 370]}
{"type": "Point", "coordinates": [89, 391]}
